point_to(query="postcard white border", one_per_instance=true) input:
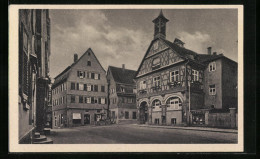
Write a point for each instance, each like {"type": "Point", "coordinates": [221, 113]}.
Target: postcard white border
{"type": "Point", "coordinates": [13, 90]}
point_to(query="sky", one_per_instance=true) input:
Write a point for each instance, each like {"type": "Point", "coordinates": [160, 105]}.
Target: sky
{"type": "Point", "coordinates": [122, 36]}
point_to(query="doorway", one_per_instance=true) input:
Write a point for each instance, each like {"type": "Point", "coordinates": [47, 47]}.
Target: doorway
{"type": "Point", "coordinates": [173, 121]}
{"type": "Point", "coordinates": [86, 119]}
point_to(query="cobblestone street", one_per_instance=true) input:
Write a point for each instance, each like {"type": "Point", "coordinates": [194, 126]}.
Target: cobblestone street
{"type": "Point", "coordinates": [134, 134]}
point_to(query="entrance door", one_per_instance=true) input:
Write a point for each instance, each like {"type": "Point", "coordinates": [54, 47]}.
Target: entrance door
{"type": "Point", "coordinates": [173, 121]}
{"type": "Point", "coordinates": [86, 119]}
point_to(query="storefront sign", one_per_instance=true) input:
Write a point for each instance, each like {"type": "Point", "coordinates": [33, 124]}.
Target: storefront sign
{"type": "Point", "coordinates": [76, 116]}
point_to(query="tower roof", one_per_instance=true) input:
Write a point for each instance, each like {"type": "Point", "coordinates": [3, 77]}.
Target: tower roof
{"type": "Point", "coordinates": [160, 16]}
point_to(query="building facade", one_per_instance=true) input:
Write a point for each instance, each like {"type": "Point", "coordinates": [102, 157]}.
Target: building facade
{"type": "Point", "coordinates": [34, 53]}
{"type": "Point", "coordinates": [122, 98]}
{"type": "Point", "coordinates": [176, 86]}
{"type": "Point", "coordinates": [79, 93]}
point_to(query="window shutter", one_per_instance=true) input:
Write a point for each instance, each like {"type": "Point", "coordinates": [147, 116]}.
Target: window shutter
{"type": "Point", "coordinates": [87, 74]}
{"type": "Point", "coordinates": [84, 74]}
{"type": "Point", "coordinates": [105, 100]}
{"type": "Point", "coordinates": [77, 86]}
{"type": "Point", "coordinates": [99, 76]}
{"type": "Point", "coordinates": [85, 87]}
{"type": "Point", "coordinates": [99, 100]}
{"type": "Point", "coordinates": [91, 87]}
{"type": "Point", "coordinates": [77, 73]}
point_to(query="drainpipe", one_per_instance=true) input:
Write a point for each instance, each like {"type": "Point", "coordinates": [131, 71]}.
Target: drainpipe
{"type": "Point", "coordinates": [187, 82]}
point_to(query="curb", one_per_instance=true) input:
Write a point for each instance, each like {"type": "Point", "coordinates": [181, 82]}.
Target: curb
{"type": "Point", "coordinates": [235, 132]}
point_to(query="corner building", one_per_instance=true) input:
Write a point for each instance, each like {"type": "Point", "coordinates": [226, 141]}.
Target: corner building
{"type": "Point", "coordinates": [177, 86]}
{"type": "Point", "coordinates": [79, 93]}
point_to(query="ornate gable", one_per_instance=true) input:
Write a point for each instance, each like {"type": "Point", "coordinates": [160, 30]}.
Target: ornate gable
{"type": "Point", "coordinates": [158, 55]}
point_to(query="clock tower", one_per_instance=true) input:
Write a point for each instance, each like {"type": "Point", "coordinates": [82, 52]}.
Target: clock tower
{"type": "Point", "coordinates": [160, 26]}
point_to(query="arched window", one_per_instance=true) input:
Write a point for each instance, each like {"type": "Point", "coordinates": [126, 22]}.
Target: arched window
{"type": "Point", "coordinates": [174, 103]}
{"type": "Point", "coordinates": [156, 105]}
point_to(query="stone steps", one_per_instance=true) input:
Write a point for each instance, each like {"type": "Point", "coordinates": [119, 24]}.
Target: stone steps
{"type": "Point", "coordinates": [40, 138]}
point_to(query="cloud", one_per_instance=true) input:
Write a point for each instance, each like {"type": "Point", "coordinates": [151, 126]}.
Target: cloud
{"type": "Point", "coordinates": [197, 42]}
{"type": "Point", "coordinates": [113, 45]}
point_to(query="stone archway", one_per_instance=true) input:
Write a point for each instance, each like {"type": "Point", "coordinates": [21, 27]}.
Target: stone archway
{"type": "Point", "coordinates": [143, 115]}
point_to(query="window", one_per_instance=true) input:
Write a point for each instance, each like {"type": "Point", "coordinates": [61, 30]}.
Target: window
{"type": "Point", "coordinates": [156, 81]}
{"type": "Point", "coordinates": [89, 87]}
{"type": "Point", "coordinates": [88, 100]}
{"type": "Point", "coordinates": [96, 88]}
{"type": "Point", "coordinates": [122, 89]}
{"type": "Point", "coordinates": [65, 86]}
{"type": "Point", "coordinates": [123, 100]}
{"type": "Point", "coordinates": [134, 115]}
{"type": "Point", "coordinates": [103, 100]}
{"type": "Point", "coordinates": [143, 85]}
{"type": "Point", "coordinates": [156, 102]}
{"type": "Point", "coordinates": [72, 99]}
{"type": "Point", "coordinates": [212, 89]}
{"type": "Point", "coordinates": [85, 87]}
{"type": "Point", "coordinates": [174, 103]}
{"type": "Point", "coordinates": [195, 75]}
{"type": "Point", "coordinates": [81, 74]}
{"type": "Point", "coordinates": [64, 99]}
{"type": "Point", "coordinates": [102, 88]}
{"type": "Point", "coordinates": [126, 115]}
{"type": "Point", "coordinates": [99, 100]}
{"type": "Point", "coordinates": [92, 75]}
{"type": "Point", "coordinates": [72, 86]}
{"type": "Point", "coordinates": [174, 76]}
{"type": "Point", "coordinates": [155, 46]}
{"type": "Point", "coordinates": [80, 99]}
{"type": "Point", "coordinates": [81, 87]}
{"type": "Point", "coordinates": [89, 63]}
{"type": "Point", "coordinates": [156, 62]}
{"type": "Point", "coordinates": [92, 100]}
{"type": "Point", "coordinates": [96, 76]}
{"type": "Point", "coordinates": [129, 100]}
{"type": "Point", "coordinates": [212, 66]}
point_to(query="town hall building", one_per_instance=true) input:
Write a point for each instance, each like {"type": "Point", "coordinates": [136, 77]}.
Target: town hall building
{"type": "Point", "coordinates": [177, 86]}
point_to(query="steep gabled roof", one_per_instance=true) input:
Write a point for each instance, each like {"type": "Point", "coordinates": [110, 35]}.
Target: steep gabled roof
{"type": "Point", "coordinates": [65, 74]}
{"type": "Point", "coordinates": [121, 75]}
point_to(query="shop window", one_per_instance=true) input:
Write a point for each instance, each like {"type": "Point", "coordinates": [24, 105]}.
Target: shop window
{"type": "Point", "coordinates": [72, 86]}
{"type": "Point", "coordinates": [126, 115]}
{"type": "Point", "coordinates": [76, 118]}
{"type": "Point", "coordinates": [156, 121]}
{"type": "Point", "coordinates": [212, 89]}
{"type": "Point", "coordinates": [212, 66]}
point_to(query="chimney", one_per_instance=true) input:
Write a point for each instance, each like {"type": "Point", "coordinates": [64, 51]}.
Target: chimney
{"type": "Point", "coordinates": [209, 50]}
{"type": "Point", "coordinates": [214, 53]}
{"type": "Point", "coordinates": [75, 57]}
{"type": "Point", "coordinates": [123, 66]}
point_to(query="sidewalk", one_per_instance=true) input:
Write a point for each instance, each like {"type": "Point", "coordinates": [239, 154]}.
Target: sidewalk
{"type": "Point", "coordinates": [190, 128]}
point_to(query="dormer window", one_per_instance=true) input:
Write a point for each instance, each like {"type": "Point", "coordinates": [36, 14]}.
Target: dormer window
{"type": "Point", "coordinates": [212, 66]}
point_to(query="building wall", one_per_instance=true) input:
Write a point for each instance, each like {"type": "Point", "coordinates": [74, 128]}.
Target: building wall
{"type": "Point", "coordinates": [229, 84]}
{"type": "Point", "coordinates": [214, 77]}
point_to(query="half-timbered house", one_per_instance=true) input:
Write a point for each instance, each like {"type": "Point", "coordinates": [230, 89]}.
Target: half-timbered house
{"type": "Point", "coordinates": [175, 84]}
